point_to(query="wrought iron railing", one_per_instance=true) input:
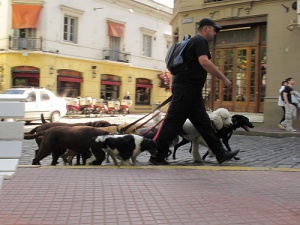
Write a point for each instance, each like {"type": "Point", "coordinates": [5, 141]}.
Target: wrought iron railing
{"type": "Point", "coordinates": [109, 54]}
{"type": "Point", "coordinates": [28, 43]}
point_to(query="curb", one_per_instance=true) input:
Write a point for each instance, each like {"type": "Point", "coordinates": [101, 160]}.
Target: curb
{"type": "Point", "coordinates": [210, 168]}
{"type": "Point", "coordinates": [268, 133]}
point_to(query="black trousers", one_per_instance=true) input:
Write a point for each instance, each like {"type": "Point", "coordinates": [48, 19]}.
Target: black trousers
{"type": "Point", "coordinates": [187, 104]}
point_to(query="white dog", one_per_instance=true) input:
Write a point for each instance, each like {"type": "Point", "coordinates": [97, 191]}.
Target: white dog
{"type": "Point", "coordinates": [219, 118]}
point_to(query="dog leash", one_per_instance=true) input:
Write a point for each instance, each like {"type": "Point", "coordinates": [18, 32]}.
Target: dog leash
{"type": "Point", "coordinates": [157, 133]}
{"type": "Point", "coordinates": [146, 132]}
{"type": "Point", "coordinates": [122, 131]}
{"type": "Point", "coordinates": [148, 121]}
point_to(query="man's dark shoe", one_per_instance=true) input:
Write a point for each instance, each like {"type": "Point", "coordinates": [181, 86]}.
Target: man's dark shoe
{"type": "Point", "coordinates": [158, 161]}
{"type": "Point", "coordinates": [228, 155]}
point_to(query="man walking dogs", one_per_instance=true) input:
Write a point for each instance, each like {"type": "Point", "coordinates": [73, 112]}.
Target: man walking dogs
{"type": "Point", "coordinates": [187, 101]}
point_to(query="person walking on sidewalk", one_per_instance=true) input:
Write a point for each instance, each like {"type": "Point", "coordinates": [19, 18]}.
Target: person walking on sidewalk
{"type": "Point", "coordinates": [187, 101]}
{"type": "Point", "coordinates": [281, 103]}
{"type": "Point", "coordinates": [290, 107]}
{"type": "Point", "coordinates": [127, 96]}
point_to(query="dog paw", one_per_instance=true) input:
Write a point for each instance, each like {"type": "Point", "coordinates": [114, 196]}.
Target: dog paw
{"type": "Point", "coordinates": [198, 160]}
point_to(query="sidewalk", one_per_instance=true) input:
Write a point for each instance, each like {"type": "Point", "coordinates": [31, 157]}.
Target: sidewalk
{"type": "Point", "coordinates": [260, 130]}
{"type": "Point", "coordinates": [92, 196]}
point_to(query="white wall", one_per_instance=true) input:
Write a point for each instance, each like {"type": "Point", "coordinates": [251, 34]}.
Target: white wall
{"type": "Point", "coordinates": [4, 26]}
{"type": "Point", "coordinates": [93, 34]}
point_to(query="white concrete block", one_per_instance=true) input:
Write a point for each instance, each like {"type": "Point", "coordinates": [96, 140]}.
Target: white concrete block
{"type": "Point", "coordinates": [10, 150]}
{"type": "Point", "coordinates": [12, 109]}
{"type": "Point", "coordinates": [8, 165]}
{"type": "Point", "coordinates": [1, 180]}
{"type": "Point", "coordinates": [11, 130]}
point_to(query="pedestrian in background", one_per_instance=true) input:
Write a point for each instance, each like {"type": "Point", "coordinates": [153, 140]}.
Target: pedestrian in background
{"type": "Point", "coordinates": [127, 96]}
{"type": "Point", "coordinates": [290, 106]}
{"type": "Point", "coordinates": [187, 101]}
{"type": "Point", "coordinates": [281, 103]}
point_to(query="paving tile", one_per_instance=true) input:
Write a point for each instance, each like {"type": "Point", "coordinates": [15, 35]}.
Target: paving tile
{"type": "Point", "coordinates": [153, 196]}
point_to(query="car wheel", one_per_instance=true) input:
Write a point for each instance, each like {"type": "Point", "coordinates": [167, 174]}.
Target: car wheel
{"type": "Point", "coordinates": [55, 117]}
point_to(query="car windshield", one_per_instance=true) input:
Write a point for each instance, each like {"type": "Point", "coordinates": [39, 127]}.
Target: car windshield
{"type": "Point", "coordinates": [14, 92]}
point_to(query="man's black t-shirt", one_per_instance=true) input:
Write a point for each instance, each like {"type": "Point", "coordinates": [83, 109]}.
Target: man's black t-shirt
{"type": "Point", "coordinates": [194, 76]}
{"type": "Point", "coordinates": [287, 90]}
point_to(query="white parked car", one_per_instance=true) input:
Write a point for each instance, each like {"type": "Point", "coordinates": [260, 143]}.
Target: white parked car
{"type": "Point", "coordinates": [37, 101]}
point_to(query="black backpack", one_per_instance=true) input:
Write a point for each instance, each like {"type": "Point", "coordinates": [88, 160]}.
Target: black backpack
{"type": "Point", "coordinates": [174, 60]}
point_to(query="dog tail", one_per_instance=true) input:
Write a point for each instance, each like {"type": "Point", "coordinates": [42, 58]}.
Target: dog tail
{"type": "Point", "coordinates": [32, 131]}
{"type": "Point", "coordinates": [33, 136]}
{"type": "Point", "coordinates": [43, 119]}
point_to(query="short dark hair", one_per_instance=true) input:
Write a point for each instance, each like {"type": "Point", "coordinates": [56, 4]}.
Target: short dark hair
{"type": "Point", "coordinates": [284, 81]}
{"type": "Point", "coordinates": [288, 79]}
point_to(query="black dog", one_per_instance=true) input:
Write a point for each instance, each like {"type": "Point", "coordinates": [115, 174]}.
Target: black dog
{"type": "Point", "coordinates": [238, 121]}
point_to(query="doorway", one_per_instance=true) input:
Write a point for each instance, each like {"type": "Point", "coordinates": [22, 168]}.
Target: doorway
{"type": "Point", "coordinates": [240, 65]}
{"type": "Point", "coordinates": [240, 53]}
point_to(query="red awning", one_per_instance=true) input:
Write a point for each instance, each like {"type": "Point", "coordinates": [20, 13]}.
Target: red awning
{"type": "Point", "coordinates": [113, 83]}
{"type": "Point", "coordinates": [144, 85]}
{"type": "Point", "coordinates": [36, 75]}
{"type": "Point", "coordinates": [25, 16]}
{"type": "Point", "coordinates": [70, 79]}
{"type": "Point", "coordinates": [115, 29]}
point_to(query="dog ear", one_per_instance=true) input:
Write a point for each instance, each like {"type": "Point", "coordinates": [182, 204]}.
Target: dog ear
{"type": "Point", "coordinates": [149, 145]}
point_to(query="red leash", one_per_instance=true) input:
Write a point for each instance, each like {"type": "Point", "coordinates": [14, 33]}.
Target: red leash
{"type": "Point", "coordinates": [146, 132]}
{"type": "Point", "coordinates": [148, 120]}
{"type": "Point", "coordinates": [156, 135]}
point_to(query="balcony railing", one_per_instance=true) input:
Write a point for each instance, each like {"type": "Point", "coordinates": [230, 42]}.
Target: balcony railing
{"type": "Point", "coordinates": [109, 54]}
{"type": "Point", "coordinates": [29, 43]}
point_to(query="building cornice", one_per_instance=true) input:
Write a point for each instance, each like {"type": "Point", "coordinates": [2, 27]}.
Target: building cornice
{"type": "Point", "coordinates": [28, 2]}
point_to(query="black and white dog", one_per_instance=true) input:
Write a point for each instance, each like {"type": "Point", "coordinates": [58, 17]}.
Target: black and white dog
{"type": "Point", "coordinates": [124, 147]}
{"type": "Point", "coordinates": [238, 121]}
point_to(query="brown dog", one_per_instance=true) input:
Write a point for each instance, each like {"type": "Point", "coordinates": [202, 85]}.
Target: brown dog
{"type": "Point", "coordinates": [45, 126]}
{"type": "Point", "coordinates": [70, 154]}
{"type": "Point", "coordinates": [76, 138]}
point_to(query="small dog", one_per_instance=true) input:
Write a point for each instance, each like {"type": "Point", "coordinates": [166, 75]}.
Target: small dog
{"type": "Point", "coordinates": [124, 147]}
{"type": "Point", "coordinates": [238, 121]}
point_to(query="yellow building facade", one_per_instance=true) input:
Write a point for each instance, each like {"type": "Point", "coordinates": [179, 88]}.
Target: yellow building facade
{"type": "Point", "coordinates": [114, 79]}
